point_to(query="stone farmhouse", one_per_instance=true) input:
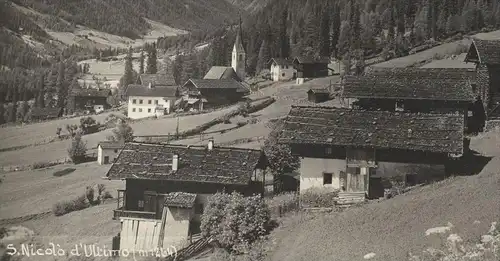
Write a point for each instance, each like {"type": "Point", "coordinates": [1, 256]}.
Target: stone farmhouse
{"type": "Point", "coordinates": [167, 187]}
{"type": "Point", "coordinates": [282, 69]}
{"type": "Point", "coordinates": [357, 151]}
{"type": "Point", "coordinates": [486, 55]}
{"type": "Point", "coordinates": [155, 95]}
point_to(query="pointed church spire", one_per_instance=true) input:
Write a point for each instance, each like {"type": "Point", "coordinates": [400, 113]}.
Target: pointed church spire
{"type": "Point", "coordinates": [238, 45]}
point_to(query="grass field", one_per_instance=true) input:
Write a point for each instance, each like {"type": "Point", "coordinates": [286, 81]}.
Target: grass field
{"type": "Point", "coordinates": [393, 227]}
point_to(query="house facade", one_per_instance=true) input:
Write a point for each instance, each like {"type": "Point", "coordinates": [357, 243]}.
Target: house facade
{"type": "Point", "coordinates": [89, 99]}
{"type": "Point", "coordinates": [282, 69]}
{"type": "Point", "coordinates": [486, 55]}
{"type": "Point", "coordinates": [107, 152]}
{"type": "Point", "coordinates": [156, 173]}
{"type": "Point", "coordinates": [213, 93]}
{"type": "Point", "coordinates": [442, 90]}
{"type": "Point", "coordinates": [361, 151]}
{"type": "Point", "coordinates": [310, 67]}
{"type": "Point", "coordinates": [149, 101]}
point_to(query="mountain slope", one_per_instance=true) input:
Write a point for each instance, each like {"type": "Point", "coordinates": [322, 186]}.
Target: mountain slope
{"type": "Point", "coordinates": [394, 227]}
{"type": "Point", "coordinates": [127, 17]}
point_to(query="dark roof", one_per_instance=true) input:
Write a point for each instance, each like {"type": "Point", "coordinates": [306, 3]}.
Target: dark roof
{"type": "Point", "coordinates": [441, 133]}
{"type": "Point", "coordinates": [163, 91]}
{"type": "Point", "coordinates": [311, 60]}
{"type": "Point", "coordinates": [319, 90]}
{"type": "Point", "coordinates": [218, 84]}
{"type": "Point", "coordinates": [90, 92]}
{"type": "Point", "coordinates": [195, 163]}
{"type": "Point", "coordinates": [411, 83]}
{"type": "Point", "coordinates": [110, 145]}
{"type": "Point", "coordinates": [180, 199]}
{"type": "Point", "coordinates": [157, 79]}
{"type": "Point", "coordinates": [280, 61]}
{"type": "Point", "coordinates": [221, 72]}
{"type": "Point", "coordinates": [487, 51]}
{"type": "Point", "coordinates": [46, 112]}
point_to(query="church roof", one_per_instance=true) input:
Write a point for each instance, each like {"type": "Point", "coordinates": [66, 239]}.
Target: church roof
{"type": "Point", "coordinates": [238, 45]}
{"type": "Point", "coordinates": [221, 72]}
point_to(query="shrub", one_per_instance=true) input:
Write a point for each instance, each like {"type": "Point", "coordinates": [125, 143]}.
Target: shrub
{"type": "Point", "coordinates": [107, 195]}
{"type": "Point", "coordinates": [235, 221]}
{"type": "Point", "coordinates": [41, 165]}
{"type": "Point", "coordinates": [241, 124]}
{"type": "Point", "coordinates": [89, 194]}
{"type": "Point", "coordinates": [318, 198]}
{"type": "Point", "coordinates": [122, 133]}
{"type": "Point", "coordinates": [78, 150]}
{"type": "Point", "coordinates": [72, 129]}
{"type": "Point", "coordinates": [63, 172]}
{"type": "Point", "coordinates": [65, 207]}
{"type": "Point", "coordinates": [89, 125]}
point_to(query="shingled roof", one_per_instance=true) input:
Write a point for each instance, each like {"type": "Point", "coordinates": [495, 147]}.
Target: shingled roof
{"type": "Point", "coordinates": [110, 145]}
{"type": "Point", "coordinates": [163, 91]}
{"type": "Point", "coordinates": [221, 72]}
{"type": "Point", "coordinates": [319, 90]}
{"type": "Point", "coordinates": [218, 84]}
{"type": "Point", "coordinates": [90, 92]}
{"type": "Point", "coordinates": [311, 60]}
{"type": "Point", "coordinates": [195, 163]}
{"type": "Point", "coordinates": [411, 83]}
{"type": "Point", "coordinates": [46, 113]}
{"type": "Point", "coordinates": [157, 79]}
{"type": "Point", "coordinates": [180, 200]}
{"type": "Point", "coordinates": [484, 51]}
{"type": "Point", "coordinates": [440, 133]}
{"type": "Point", "coordinates": [280, 61]}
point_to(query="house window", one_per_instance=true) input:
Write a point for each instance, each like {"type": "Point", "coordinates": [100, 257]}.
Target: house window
{"type": "Point", "coordinates": [328, 151]}
{"type": "Point", "coordinates": [133, 109]}
{"type": "Point", "coordinates": [140, 204]}
{"type": "Point", "coordinates": [283, 74]}
{"type": "Point", "coordinates": [156, 102]}
{"type": "Point", "coordinates": [198, 209]}
{"type": "Point", "coordinates": [149, 101]}
{"type": "Point", "coordinates": [327, 178]}
{"type": "Point", "coordinates": [116, 150]}
{"type": "Point", "coordinates": [140, 110]}
{"type": "Point", "coordinates": [399, 106]}
{"type": "Point", "coordinates": [358, 171]}
{"type": "Point", "coordinates": [149, 110]}
{"type": "Point", "coordinates": [140, 101]}
{"type": "Point", "coordinates": [134, 101]}
{"type": "Point", "coordinates": [241, 57]}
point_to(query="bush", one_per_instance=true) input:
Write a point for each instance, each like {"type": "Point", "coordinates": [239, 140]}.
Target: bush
{"type": "Point", "coordinates": [41, 165]}
{"type": "Point", "coordinates": [72, 129]}
{"type": "Point", "coordinates": [78, 150]}
{"type": "Point", "coordinates": [89, 125]}
{"type": "Point", "coordinates": [122, 133]}
{"type": "Point", "coordinates": [235, 221]}
{"type": "Point", "coordinates": [241, 124]}
{"type": "Point", "coordinates": [318, 198]}
{"type": "Point", "coordinates": [65, 207]}
{"type": "Point", "coordinates": [63, 172]}
{"type": "Point", "coordinates": [89, 194]}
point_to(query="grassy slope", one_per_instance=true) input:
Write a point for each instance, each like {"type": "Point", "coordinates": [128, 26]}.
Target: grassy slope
{"type": "Point", "coordinates": [393, 227]}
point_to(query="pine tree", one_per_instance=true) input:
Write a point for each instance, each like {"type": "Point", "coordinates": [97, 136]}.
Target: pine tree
{"type": "Point", "coordinates": [311, 34]}
{"type": "Point", "coordinates": [13, 108]}
{"type": "Point", "coordinates": [2, 113]}
{"type": "Point", "coordinates": [128, 76]}
{"type": "Point", "coordinates": [141, 63]}
{"type": "Point", "coordinates": [324, 37]}
{"type": "Point", "coordinates": [336, 23]}
{"type": "Point", "coordinates": [284, 40]}
{"type": "Point", "coordinates": [40, 99]}
{"type": "Point", "coordinates": [61, 86]}
{"type": "Point", "coordinates": [152, 60]}
{"type": "Point", "coordinates": [264, 56]}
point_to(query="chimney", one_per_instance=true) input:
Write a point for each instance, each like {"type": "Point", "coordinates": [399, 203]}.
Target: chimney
{"type": "Point", "coordinates": [175, 162]}
{"type": "Point", "coordinates": [210, 144]}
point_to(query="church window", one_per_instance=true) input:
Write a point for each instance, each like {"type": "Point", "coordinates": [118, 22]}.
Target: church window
{"type": "Point", "coordinates": [241, 56]}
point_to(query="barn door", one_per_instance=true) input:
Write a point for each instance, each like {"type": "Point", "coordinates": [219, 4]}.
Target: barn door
{"type": "Point", "coordinates": [356, 179]}
{"type": "Point", "coordinates": [149, 201]}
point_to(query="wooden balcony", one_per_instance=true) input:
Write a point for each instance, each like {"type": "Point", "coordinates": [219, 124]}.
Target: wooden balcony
{"type": "Point", "coordinates": [118, 213]}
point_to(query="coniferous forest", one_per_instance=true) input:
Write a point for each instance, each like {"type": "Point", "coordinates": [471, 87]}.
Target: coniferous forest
{"type": "Point", "coordinates": [347, 30]}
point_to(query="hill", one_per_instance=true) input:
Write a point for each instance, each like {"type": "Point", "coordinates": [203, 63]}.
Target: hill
{"type": "Point", "coordinates": [393, 227]}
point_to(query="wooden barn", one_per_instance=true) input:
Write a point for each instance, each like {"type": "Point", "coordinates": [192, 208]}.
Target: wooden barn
{"type": "Point", "coordinates": [310, 67]}
{"type": "Point", "coordinates": [318, 95]}
{"type": "Point", "coordinates": [216, 92]}
{"type": "Point", "coordinates": [356, 151]}
{"type": "Point", "coordinates": [40, 114]}
{"type": "Point", "coordinates": [90, 99]}
{"type": "Point", "coordinates": [155, 172]}
{"type": "Point", "coordinates": [416, 90]}
{"type": "Point", "coordinates": [486, 55]}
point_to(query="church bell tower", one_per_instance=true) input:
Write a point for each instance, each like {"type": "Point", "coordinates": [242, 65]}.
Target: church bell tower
{"type": "Point", "coordinates": [239, 56]}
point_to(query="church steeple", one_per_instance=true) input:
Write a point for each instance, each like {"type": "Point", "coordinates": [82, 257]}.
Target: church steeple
{"type": "Point", "coordinates": [239, 55]}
